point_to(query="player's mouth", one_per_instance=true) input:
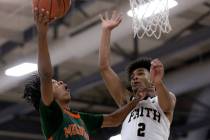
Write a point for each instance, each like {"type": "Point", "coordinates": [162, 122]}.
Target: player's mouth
{"type": "Point", "coordinates": [138, 84]}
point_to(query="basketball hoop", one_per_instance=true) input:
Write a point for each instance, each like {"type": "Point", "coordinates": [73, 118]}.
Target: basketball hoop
{"type": "Point", "coordinates": [151, 17]}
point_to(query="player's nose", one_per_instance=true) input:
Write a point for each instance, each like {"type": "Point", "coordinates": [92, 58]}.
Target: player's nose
{"type": "Point", "coordinates": [135, 78]}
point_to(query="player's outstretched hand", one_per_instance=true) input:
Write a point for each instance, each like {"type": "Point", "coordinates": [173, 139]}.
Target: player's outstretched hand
{"type": "Point", "coordinates": [156, 71]}
{"type": "Point", "coordinates": [42, 19]}
{"type": "Point", "coordinates": [110, 23]}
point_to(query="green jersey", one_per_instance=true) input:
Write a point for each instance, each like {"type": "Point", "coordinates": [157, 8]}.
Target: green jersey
{"type": "Point", "coordinates": [65, 125]}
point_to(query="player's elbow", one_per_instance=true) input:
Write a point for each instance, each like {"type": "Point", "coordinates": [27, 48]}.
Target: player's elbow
{"type": "Point", "coordinates": [103, 67]}
{"type": "Point", "coordinates": [45, 74]}
{"type": "Point", "coordinates": [169, 105]}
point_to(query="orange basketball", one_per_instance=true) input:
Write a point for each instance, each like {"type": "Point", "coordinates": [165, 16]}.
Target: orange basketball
{"type": "Point", "coordinates": [56, 8]}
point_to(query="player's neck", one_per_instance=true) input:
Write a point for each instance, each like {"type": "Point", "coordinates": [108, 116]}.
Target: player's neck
{"type": "Point", "coordinates": [65, 106]}
{"type": "Point", "coordinates": [151, 92]}
{"type": "Point", "coordinates": [148, 92]}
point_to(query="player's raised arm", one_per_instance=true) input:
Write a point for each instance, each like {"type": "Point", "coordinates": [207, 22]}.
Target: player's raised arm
{"type": "Point", "coordinates": [112, 81]}
{"type": "Point", "coordinates": [44, 64]}
{"type": "Point", "coordinates": [166, 99]}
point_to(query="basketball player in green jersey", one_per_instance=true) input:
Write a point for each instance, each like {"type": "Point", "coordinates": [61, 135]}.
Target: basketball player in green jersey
{"type": "Point", "coordinates": [146, 81]}
{"type": "Point", "coordinates": [51, 98]}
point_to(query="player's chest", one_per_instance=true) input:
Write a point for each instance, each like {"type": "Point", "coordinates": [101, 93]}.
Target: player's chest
{"type": "Point", "coordinates": [74, 128]}
{"type": "Point", "coordinates": [144, 111]}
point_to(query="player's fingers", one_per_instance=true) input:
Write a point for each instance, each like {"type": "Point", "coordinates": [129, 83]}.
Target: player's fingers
{"type": "Point", "coordinates": [141, 95]}
{"type": "Point", "coordinates": [156, 68]}
{"type": "Point", "coordinates": [101, 17]}
{"type": "Point", "coordinates": [41, 15]}
{"type": "Point", "coordinates": [156, 61]}
{"type": "Point", "coordinates": [106, 15]}
{"type": "Point", "coordinates": [156, 64]}
{"type": "Point", "coordinates": [46, 17]}
{"type": "Point", "coordinates": [36, 13]}
{"type": "Point", "coordinates": [119, 19]}
{"type": "Point", "coordinates": [114, 14]}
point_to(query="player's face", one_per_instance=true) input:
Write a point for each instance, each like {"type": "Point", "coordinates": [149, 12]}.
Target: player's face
{"type": "Point", "coordinates": [61, 91]}
{"type": "Point", "coordinates": [140, 79]}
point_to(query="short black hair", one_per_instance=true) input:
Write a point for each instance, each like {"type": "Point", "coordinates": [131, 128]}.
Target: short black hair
{"type": "Point", "coordinates": [32, 92]}
{"type": "Point", "coordinates": [144, 62]}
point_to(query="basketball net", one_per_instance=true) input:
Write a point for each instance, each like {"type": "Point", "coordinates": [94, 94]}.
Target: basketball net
{"type": "Point", "coordinates": [150, 17]}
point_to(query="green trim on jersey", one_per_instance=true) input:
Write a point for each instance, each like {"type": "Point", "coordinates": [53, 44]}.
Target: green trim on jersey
{"type": "Point", "coordinates": [66, 125]}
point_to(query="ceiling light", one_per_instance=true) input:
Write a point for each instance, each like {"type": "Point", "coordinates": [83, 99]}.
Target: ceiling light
{"type": "Point", "coordinates": [21, 70]}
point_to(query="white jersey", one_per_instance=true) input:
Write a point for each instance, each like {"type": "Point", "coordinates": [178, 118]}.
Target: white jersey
{"type": "Point", "coordinates": [146, 121]}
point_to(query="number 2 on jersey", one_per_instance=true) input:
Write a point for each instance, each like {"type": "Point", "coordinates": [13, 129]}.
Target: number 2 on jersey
{"type": "Point", "coordinates": [141, 130]}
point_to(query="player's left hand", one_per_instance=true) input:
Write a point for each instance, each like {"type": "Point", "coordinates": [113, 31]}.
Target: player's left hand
{"type": "Point", "coordinates": [111, 23]}
{"type": "Point", "coordinates": [156, 71]}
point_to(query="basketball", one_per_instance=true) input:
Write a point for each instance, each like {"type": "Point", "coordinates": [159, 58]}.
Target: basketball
{"type": "Point", "coordinates": [56, 8]}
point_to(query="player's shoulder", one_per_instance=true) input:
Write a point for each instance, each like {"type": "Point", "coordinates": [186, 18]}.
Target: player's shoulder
{"type": "Point", "coordinates": [172, 96]}
{"type": "Point", "coordinates": [153, 99]}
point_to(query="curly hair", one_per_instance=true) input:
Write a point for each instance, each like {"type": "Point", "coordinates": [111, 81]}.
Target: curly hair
{"type": "Point", "coordinates": [32, 93]}
{"type": "Point", "coordinates": [144, 62]}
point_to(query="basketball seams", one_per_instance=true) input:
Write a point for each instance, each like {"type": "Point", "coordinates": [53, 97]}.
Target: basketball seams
{"type": "Point", "coordinates": [50, 10]}
{"type": "Point", "coordinates": [64, 6]}
{"type": "Point", "coordinates": [59, 8]}
{"type": "Point", "coordinates": [68, 5]}
{"type": "Point", "coordinates": [56, 8]}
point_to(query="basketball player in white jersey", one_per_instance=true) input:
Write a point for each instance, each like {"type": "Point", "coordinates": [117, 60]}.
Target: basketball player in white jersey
{"type": "Point", "coordinates": [151, 118]}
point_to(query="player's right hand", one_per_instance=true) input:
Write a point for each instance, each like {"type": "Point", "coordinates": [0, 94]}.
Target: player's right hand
{"type": "Point", "coordinates": [110, 23]}
{"type": "Point", "coordinates": [141, 93]}
{"type": "Point", "coordinates": [42, 20]}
